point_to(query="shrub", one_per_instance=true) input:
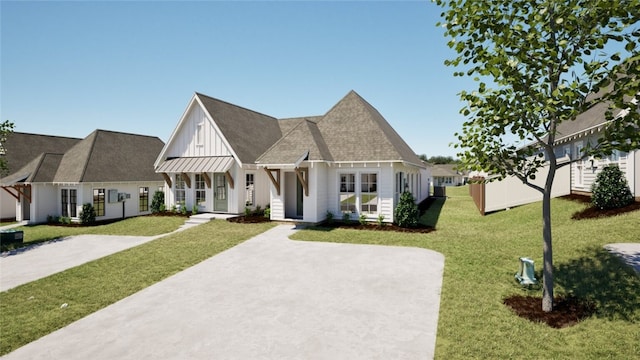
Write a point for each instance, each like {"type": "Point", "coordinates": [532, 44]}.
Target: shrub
{"type": "Point", "coordinates": [88, 214]}
{"type": "Point", "coordinates": [610, 190]}
{"type": "Point", "coordinates": [157, 203]}
{"type": "Point", "coordinates": [65, 220]}
{"type": "Point", "coordinates": [346, 217]}
{"type": "Point", "coordinates": [183, 209]}
{"type": "Point", "coordinates": [381, 220]}
{"type": "Point", "coordinates": [329, 217]}
{"type": "Point", "coordinates": [267, 212]}
{"type": "Point", "coordinates": [407, 213]}
{"type": "Point", "coordinates": [247, 211]}
{"type": "Point", "coordinates": [362, 219]}
{"type": "Point", "coordinates": [194, 209]}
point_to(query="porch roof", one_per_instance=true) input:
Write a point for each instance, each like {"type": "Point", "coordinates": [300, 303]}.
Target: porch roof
{"type": "Point", "coordinates": [196, 164]}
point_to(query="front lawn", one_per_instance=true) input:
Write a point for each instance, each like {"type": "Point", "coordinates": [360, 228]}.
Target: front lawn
{"type": "Point", "coordinates": [33, 310]}
{"type": "Point", "coordinates": [481, 258]}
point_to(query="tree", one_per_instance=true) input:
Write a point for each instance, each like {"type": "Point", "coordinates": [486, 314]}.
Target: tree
{"type": "Point", "coordinates": [541, 59]}
{"type": "Point", "coordinates": [442, 160]}
{"type": "Point", "coordinates": [407, 213]}
{"type": "Point", "coordinates": [5, 129]}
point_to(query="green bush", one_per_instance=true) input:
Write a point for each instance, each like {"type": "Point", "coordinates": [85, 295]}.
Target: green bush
{"type": "Point", "coordinates": [329, 217]}
{"type": "Point", "coordinates": [194, 209]}
{"type": "Point", "coordinates": [363, 219]}
{"type": "Point", "coordinates": [157, 203]}
{"type": "Point", "coordinates": [407, 213]}
{"type": "Point", "coordinates": [88, 214]}
{"type": "Point", "coordinates": [381, 220]}
{"type": "Point", "coordinates": [610, 190]}
{"type": "Point", "coordinates": [267, 212]}
{"type": "Point", "coordinates": [346, 217]}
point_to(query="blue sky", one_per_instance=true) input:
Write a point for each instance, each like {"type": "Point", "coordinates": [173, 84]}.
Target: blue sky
{"type": "Point", "coordinates": [68, 68]}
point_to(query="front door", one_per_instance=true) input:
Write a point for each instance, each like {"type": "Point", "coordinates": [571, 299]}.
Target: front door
{"type": "Point", "coordinates": [220, 192]}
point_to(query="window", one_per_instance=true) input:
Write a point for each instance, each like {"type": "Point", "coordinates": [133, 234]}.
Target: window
{"type": "Point", "coordinates": [144, 199]}
{"type": "Point", "coordinates": [180, 189]}
{"type": "Point", "coordinates": [65, 202]}
{"type": "Point", "coordinates": [250, 196]}
{"type": "Point", "coordinates": [201, 193]}
{"type": "Point", "coordinates": [98, 201]}
{"type": "Point", "coordinates": [73, 202]}
{"type": "Point", "coordinates": [348, 193]}
{"type": "Point", "coordinates": [369, 193]}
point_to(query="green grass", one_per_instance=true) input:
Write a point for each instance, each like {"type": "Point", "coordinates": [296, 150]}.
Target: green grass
{"type": "Point", "coordinates": [136, 226]}
{"type": "Point", "coordinates": [33, 310]}
{"type": "Point", "coordinates": [481, 257]}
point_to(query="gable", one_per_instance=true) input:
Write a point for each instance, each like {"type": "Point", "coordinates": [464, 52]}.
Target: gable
{"type": "Point", "coordinates": [195, 135]}
{"type": "Point", "coordinates": [22, 148]}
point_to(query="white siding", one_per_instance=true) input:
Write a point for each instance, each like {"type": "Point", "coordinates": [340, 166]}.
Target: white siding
{"type": "Point", "coordinates": [185, 142]}
{"type": "Point", "coordinates": [7, 204]}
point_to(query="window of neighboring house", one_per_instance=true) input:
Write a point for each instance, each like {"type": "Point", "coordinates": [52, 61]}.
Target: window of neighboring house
{"type": "Point", "coordinates": [348, 193]}
{"type": "Point", "coordinates": [369, 193]}
{"type": "Point", "coordinates": [201, 193]}
{"type": "Point", "coordinates": [180, 190]}
{"type": "Point", "coordinates": [98, 201]}
{"type": "Point", "coordinates": [143, 199]}
{"type": "Point", "coordinates": [200, 134]}
{"type": "Point", "coordinates": [579, 164]}
{"type": "Point", "coordinates": [250, 190]}
{"type": "Point", "coordinates": [566, 150]}
{"type": "Point", "coordinates": [65, 202]}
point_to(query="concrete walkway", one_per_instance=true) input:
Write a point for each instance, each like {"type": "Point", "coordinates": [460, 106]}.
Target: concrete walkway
{"type": "Point", "coordinates": [50, 258]}
{"type": "Point", "coordinates": [270, 298]}
{"type": "Point", "coordinates": [628, 252]}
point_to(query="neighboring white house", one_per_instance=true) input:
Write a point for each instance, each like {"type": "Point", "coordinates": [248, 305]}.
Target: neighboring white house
{"type": "Point", "coordinates": [573, 136]}
{"type": "Point", "coordinates": [224, 158]}
{"type": "Point", "coordinates": [18, 150]}
{"type": "Point", "coordinates": [111, 170]}
{"type": "Point", "coordinates": [448, 175]}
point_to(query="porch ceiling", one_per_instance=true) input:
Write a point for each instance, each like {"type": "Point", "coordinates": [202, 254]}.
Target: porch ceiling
{"type": "Point", "coordinates": [196, 164]}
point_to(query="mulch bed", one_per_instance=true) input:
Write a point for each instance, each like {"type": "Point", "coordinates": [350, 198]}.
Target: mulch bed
{"type": "Point", "coordinates": [251, 219]}
{"type": "Point", "coordinates": [567, 311]}
{"type": "Point", "coordinates": [592, 212]}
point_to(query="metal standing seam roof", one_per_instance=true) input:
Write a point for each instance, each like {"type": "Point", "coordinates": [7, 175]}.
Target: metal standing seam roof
{"type": "Point", "coordinates": [196, 164]}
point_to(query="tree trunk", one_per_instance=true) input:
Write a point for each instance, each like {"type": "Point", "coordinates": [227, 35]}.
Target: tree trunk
{"type": "Point", "coordinates": [547, 248]}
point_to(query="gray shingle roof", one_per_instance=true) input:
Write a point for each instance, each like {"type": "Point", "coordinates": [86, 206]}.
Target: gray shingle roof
{"type": "Point", "coordinates": [355, 131]}
{"type": "Point", "coordinates": [446, 170]}
{"type": "Point", "coordinates": [22, 148]}
{"type": "Point", "coordinates": [305, 136]}
{"type": "Point", "coordinates": [249, 133]}
{"type": "Point", "coordinates": [111, 156]}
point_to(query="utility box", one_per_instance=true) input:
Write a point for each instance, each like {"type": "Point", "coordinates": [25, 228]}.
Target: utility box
{"type": "Point", "coordinates": [526, 273]}
{"type": "Point", "coordinates": [11, 236]}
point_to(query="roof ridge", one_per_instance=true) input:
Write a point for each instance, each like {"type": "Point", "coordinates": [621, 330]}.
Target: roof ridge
{"type": "Point", "coordinates": [89, 154]}
{"type": "Point", "coordinates": [45, 135]}
{"type": "Point", "coordinates": [238, 106]}
{"type": "Point", "coordinates": [124, 133]}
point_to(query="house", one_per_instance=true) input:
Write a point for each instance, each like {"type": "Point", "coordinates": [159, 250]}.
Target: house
{"type": "Point", "coordinates": [111, 170]}
{"type": "Point", "coordinates": [18, 150]}
{"type": "Point", "coordinates": [574, 136]}
{"type": "Point", "coordinates": [225, 158]}
{"type": "Point", "coordinates": [448, 175]}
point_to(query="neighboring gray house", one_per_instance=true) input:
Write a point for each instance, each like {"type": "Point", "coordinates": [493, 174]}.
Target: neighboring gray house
{"type": "Point", "coordinates": [18, 150]}
{"type": "Point", "coordinates": [448, 175]}
{"type": "Point", "coordinates": [111, 170]}
{"type": "Point", "coordinates": [223, 158]}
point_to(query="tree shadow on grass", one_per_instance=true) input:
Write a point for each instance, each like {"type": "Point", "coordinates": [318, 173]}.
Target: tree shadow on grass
{"type": "Point", "coordinates": [430, 210]}
{"type": "Point", "coordinates": [603, 279]}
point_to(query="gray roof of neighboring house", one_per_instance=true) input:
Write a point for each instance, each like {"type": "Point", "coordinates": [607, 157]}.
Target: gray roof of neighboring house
{"type": "Point", "coordinates": [248, 132]}
{"type": "Point", "coordinates": [352, 130]}
{"type": "Point", "coordinates": [22, 148]}
{"type": "Point", "coordinates": [441, 170]}
{"type": "Point", "coordinates": [103, 156]}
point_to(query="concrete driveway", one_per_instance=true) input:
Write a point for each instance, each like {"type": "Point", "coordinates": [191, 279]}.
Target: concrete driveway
{"type": "Point", "coordinates": [270, 298]}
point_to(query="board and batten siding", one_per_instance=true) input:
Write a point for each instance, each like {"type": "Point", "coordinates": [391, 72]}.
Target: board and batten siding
{"type": "Point", "coordinates": [187, 143]}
